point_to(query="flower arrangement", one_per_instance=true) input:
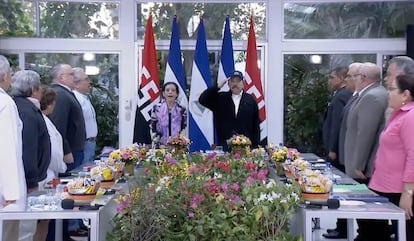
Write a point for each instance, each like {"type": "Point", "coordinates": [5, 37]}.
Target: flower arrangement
{"type": "Point", "coordinates": [282, 153]}
{"type": "Point", "coordinates": [239, 140]}
{"type": "Point", "coordinates": [205, 197]}
{"type": "Point", "coordinates": [239, 145]}
{"type": "Point", "coordinates": [126, 157]}
{"type": "Point", "coordinates": [177, 144]}
{"type": "Point", "coordinates": [281, 156]}
{"type": "Point", "coordinates": [133, 153]}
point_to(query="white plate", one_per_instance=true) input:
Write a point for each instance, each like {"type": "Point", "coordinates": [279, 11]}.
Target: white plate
{"type": "Point", "coordinates": [351, 203]}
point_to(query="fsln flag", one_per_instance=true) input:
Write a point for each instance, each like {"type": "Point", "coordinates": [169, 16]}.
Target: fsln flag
{"type": "Point", "coordinates": [201, 119]}
{"type": "Point", "coordinates": [226, 66]}
{"type": "Point", "coordinates": [148, 88]}
{"type": "Point", "coordinates": [253, 84]}
{"type": "Point", "coordinates": [174, 70]}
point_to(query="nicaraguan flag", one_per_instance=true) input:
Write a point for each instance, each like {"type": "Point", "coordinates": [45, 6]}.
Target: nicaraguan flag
{"type": "Point", "coordinates": [201, 119]}
{"type": "Point", "coordinates": [174, 70]}
{"type": "Point", "coordinates": [226, 66]}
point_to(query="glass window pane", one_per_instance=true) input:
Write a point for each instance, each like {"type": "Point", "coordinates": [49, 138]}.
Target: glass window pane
{"type": "Point", "coordinates": [347, 20]}
{"type": "Point", "coordinates": [17, 18]}
{"type": "Point", "coordinates": [59, 19]}
{"type": "Point", "coordinates": [306, 96]}
{"type": "Point", "coordinates": [188, 15]}
{"type": "Point", "coordinates": [103, 71]}
{"type": "Point", "coordinates": [79, 20]}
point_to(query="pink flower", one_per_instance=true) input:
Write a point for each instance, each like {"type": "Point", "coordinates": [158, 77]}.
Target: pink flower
{"type": "Point", "coordinates": [190, 214]}
{"type": "Point", "coordinates": [211, 156]}
{"type": "Point", "coordinates": [196, 199]}
{"type": "Point", "coordinates": [249, 180]}
{"type": "Point", "coordinates": [234, 187]}
{"type": "Point", "coordinates": [171, 160]}
{"type": "Point", "coordinates": [224, 187]}
{"type": "Point", "coordinates": [262, 174]}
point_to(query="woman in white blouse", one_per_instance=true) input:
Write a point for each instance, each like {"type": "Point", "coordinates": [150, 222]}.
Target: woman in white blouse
{"type": "Point", "coordinates": [57, 165]}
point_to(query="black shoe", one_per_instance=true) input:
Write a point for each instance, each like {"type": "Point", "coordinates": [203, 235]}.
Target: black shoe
{"type": "Point", "coordinates": [330, 230]}
{"type": "Point", "coordinates": [334, 235]}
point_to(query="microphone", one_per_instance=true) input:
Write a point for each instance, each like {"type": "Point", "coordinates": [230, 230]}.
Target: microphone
{"type": "Point", "coordinates": [70, 204]}
{"type": "Point", "coordinates": [331, 203]}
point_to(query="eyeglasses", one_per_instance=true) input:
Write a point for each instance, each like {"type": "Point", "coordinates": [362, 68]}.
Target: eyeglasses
{"type": "Point", "coordinates": [69, 73]}
{"type": "Point", "coordinates": [352, 75]}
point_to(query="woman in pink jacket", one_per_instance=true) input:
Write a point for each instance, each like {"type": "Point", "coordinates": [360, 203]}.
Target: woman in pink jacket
{"type": "Point", "coordinates": [393, 174]}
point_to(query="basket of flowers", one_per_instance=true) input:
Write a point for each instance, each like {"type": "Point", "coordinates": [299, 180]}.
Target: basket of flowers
{"type": "Point", "coordinates": [178, 144]}
{"type": "Point", "coordinates": [239, 145]}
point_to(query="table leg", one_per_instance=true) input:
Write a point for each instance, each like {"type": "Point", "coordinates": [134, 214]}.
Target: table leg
{"type": "Point", "coordinates": [58, 229]}
{"type": "Point", "coordinates": [351, 228]}
{"type": "Point", "coordinates": [401, 229]}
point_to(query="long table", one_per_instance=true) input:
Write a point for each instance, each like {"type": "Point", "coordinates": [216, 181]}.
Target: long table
{"type": "Point", "coordinates": [99, 219]}
{"type": "Point", "coordinates": [357, 210]}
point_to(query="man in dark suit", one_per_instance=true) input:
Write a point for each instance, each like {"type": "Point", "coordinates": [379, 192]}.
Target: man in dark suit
{"type": "Point", "coordinates": [333, 114]}
{"type": "Point", "coordinates": [364, 124]}
{"type": "Point", "coordinates": [67, 116]}
{"type": "Point", "coordinates": [235, 112]}
{"type": "Point", "coordinates": [341, 226]}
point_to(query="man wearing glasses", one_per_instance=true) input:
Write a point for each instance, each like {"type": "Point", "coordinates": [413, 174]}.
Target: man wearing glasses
{"type": "Point", "coordinates": [67, 116]}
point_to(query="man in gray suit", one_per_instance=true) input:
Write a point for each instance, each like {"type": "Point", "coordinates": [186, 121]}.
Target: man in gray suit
{"type": "Point", "coordinates": [364, 123]}
{"type": "Point", "coordinates": [67, 115]}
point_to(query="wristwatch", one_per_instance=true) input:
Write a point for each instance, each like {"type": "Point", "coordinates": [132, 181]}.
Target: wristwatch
{"type": "Point", "coordinates": [409, 191]}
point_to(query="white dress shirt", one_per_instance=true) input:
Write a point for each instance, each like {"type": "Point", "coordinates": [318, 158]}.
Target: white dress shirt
{"type": "Point", "coordinates": [57, 165]}
{"type": "Point", "coordinates": [236, 101]}
{"type": "Point", "coordinates": [88, 114]}
{"type": "Point", "coordinates": [12, 177]}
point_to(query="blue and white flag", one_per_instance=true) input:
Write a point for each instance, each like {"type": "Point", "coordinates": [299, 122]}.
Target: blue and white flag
{"type": "Point", "coordinates": [201, 130]}
{"type": "Point", "coordinates": [226, 66]}
{"type": "Point", "coordinates": [174, 71]}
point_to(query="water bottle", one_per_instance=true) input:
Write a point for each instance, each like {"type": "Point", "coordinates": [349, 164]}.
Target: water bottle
{"type": "Point", "coordinates": [328, 171]}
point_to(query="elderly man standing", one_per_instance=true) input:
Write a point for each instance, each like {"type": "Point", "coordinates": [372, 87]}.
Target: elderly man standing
{"type": "Point", "coordinates": [12, 179]}
{"type": "Point", "coordinates": [26, 91]}
{"type": "Point", "coordinates": [364, 123]}
{"type": "Point", "coordinates": [82, 89]}
{"type": "Point", "coordinates": [67, 116]}
{"type": "Point", "coordinates": [235, 112]}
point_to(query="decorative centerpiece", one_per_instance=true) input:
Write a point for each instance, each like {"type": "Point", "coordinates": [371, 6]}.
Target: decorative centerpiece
{"type": "Point", "coordinates": [130, 156]}
{"type": "Point", "coordinates": [178, 144]}
{"type": "Point", "coordinates": [205, 197]}
{"type": "Point", "coordinates": [281, 156]}
{"type": "Point", "coordinates": [314, 185]}
{"type": "Point", "coordinates": [239, 145]}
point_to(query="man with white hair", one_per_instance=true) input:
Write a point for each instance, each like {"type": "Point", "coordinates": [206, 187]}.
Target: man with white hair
{"type": "Point", "coordinates": [26, 91]}
{"type": "Point", "coordinates": [364, 123]}
{"type": "Point", "coordinates": [82, 89]}
{"type": "Point", "coordinates": [12, 180]}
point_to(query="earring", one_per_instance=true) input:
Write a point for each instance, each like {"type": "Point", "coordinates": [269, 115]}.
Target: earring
{"type": "Point", "coordinates": [403, 103]}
